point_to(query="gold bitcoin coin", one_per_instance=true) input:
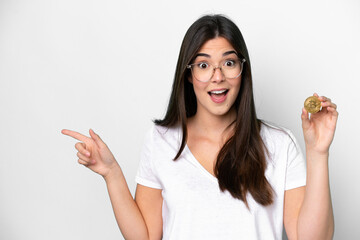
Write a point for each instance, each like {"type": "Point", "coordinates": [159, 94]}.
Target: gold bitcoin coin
{"type": "Point", "coordinates": [312, 104]}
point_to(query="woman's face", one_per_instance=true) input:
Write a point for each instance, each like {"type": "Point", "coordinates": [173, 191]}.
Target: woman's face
{"type": "Point", "coordinates": [218, 95]}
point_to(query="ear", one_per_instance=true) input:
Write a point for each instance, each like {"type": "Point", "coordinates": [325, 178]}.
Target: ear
{"type": "Point", "coordinates": [190, 79]}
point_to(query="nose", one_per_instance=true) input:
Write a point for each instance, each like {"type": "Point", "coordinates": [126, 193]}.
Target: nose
{"type": "Point", "coordinates": [218, 76]}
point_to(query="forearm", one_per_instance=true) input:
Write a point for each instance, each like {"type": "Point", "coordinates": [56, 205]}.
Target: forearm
{"type": "Point", "coordinates": [316, 220]}
{"type": "Point", "coordinates": [127, 213]}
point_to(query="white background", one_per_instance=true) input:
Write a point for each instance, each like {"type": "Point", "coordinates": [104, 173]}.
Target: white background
{"type": "Point", "coordinates": [109, 65]}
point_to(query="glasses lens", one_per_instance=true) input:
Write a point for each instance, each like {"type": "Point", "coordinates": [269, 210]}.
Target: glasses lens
{"type": "Point", "coordinates": [202, 71]}
{"type": "Point", "coordinates": [231, 68]}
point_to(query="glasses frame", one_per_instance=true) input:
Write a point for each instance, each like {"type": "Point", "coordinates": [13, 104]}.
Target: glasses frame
{"type": "Point", "coordinates": [190, 66]}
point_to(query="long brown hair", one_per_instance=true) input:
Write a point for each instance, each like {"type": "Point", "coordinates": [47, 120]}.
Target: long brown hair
{"type": "Point", "coordinates": [241, 162]}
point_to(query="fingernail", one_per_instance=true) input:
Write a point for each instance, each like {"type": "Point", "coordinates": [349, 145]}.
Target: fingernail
{"type": "Point", "coordinates": [87, 154]}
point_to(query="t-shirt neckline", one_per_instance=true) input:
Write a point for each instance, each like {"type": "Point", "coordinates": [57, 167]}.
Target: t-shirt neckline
{"type": "Point", "coordinates": [193, 160]}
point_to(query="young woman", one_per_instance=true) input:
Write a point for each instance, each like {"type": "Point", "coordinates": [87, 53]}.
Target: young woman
{"type": "Point", "coordinates": [210, 169]}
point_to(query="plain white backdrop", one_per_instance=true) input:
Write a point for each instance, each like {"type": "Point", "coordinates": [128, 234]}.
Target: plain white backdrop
{"type": "Point", "coordinates": [109, 65]}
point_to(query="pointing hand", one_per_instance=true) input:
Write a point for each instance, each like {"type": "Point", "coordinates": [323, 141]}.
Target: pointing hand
{"type": "Point", "coordinates": [93, 152]}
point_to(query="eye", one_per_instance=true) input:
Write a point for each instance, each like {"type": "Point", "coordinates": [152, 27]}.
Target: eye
{"type": "Point", "coordinates": [229, 63]}
{"type": "Point", "coordinates": [202, 65]}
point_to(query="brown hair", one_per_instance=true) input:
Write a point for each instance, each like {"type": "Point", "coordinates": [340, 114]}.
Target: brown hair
{"type": "Point", "coordinates": [241, 163]}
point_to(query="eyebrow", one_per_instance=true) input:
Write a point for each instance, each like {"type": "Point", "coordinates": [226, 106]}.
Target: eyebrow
{"type": "Point", "coordinates": [208, 56]}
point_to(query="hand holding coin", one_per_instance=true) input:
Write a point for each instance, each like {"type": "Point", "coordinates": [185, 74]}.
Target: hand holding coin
{"type": "Point", "coordinates": [319, 127]}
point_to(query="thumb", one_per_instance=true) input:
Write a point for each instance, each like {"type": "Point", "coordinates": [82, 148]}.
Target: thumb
{"type": "Point", "coordinates": [96, 137]}
{"type": "Point", "coordinates": [305, 119]}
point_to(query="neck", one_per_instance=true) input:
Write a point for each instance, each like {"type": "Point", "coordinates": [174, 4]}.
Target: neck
{"type": "Point", "coordinates": [213, 125]}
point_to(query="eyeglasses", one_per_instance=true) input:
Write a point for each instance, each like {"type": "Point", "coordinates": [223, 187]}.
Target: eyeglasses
{"type": "Point", "coordinates": [204, 71]}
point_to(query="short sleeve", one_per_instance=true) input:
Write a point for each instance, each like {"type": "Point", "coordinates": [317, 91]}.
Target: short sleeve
{"type": "Point", "coordinates": [296, 165]}
{"type": "Point", "coordinates": [146, 175]}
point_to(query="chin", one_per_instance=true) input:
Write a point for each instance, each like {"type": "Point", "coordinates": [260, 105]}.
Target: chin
{"type": "Point", "coordinates": [221, 112]}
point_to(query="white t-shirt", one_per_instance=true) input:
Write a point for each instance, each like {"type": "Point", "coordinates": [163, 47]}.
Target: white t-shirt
{"type": "Point", "coordinates": [193, 205]}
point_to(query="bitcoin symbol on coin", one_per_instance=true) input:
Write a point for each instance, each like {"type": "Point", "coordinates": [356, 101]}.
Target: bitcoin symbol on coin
{"type": "Point", "coordinates": [312, 104]}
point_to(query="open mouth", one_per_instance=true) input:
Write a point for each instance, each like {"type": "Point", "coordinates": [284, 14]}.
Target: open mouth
{"type": "Point", "coordinates": [218, 96]}
{"type": "Point", "coordinates": [218, 93]}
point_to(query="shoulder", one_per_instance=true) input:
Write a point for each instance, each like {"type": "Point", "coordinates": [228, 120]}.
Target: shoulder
{"type": "Point", "coordinates": [274, 135]}
{"type": "Point", "coordinates": [271, 130]}
{"type": "Point", "coordinates": [159, 135]}
{"type": "Point", "coordinates": [162, 143]}
{"type": "Point", "coordinates": [282, 146]}
{"type": "Point", "coordinates": [161, 131]}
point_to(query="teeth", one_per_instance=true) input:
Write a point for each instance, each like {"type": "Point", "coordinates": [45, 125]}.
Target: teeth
{"type": "Point", "coordinates": [218, 92]}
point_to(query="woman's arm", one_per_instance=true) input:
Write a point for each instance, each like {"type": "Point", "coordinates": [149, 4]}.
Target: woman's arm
{"type": "Point", "coordinates": [150, 201]}
{"type": "Point", "coordinates": [95, 155]}
{"type": "Point", "coordinates": [293, 200]}
{"type": "Point", "coordinates": [307, 210]}
{"type": "Point", "coordinates": [315, 218]}
{"type": "Point", "coordinates": [127, 213]}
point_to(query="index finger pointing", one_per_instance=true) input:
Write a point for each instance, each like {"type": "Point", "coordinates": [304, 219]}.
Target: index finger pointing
{"type": "Point", "coordinates": [74, 134]}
